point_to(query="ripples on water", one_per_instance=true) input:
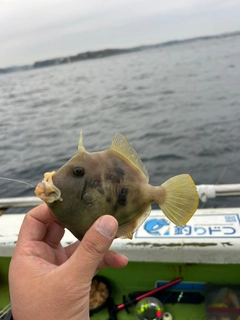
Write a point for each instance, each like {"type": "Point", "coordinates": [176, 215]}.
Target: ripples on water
{"type": "Point", "coordinates": [179, 107]}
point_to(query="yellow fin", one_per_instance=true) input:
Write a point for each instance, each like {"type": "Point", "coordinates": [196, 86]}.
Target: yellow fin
{"type": "Point", "coordinates": [181, 199]}
{"type": "Point", "coordinates": [121, 145]}
{"type": "Point", "coordinates": [127, 231]}
{"type": "Point", "coordinates": [129, 235]}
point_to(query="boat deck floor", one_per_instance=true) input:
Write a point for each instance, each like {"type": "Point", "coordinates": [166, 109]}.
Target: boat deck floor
{"type": "Point", "coordinates": [142, 276]}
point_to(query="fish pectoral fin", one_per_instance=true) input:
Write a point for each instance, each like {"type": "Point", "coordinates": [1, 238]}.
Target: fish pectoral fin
{"type": "Point", "coordinates": [128, 230]}
{"type": "Point", "coordinates": [87, 198]}
{"type": "Point", "coordinates": [180, 200]}
{"type": "Point", "coordinates": [91, 195]}
{"type": "Point", "coordinates": [121, 145]}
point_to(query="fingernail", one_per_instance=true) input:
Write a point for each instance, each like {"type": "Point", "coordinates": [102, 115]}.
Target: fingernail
{"type": "Point", "coordinates": [107, 226]}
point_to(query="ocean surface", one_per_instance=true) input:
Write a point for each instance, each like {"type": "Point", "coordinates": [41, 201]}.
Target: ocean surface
{"type": "Point", "coordinates": [179, 106]}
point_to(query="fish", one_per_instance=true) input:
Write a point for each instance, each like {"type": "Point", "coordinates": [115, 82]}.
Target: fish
{"type": "Point", "coordinates": [114, 182]}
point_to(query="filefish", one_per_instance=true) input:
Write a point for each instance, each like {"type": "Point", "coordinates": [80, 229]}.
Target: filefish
{"type": "Point", "coordinates": [113, 182]}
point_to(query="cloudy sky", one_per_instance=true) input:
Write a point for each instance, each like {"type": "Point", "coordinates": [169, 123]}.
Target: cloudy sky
{"type": "Point", "coordinates": [32, 30]}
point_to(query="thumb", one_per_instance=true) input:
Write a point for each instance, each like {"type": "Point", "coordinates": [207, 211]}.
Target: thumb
{"type": "Point", "coordinates": [93, 247]}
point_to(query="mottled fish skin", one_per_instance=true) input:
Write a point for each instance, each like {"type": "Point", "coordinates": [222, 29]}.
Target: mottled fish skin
{"type": "Point", "coordinates": [109, 185]}
{"type": "Point", "coordinates": [113, 182]}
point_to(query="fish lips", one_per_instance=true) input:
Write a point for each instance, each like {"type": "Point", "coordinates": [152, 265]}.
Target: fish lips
{"type": "Point", "coordinates": [46, 190]}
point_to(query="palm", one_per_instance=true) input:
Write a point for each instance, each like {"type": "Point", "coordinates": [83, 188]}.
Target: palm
{"type": "Point", "coordinates": [49, 251]}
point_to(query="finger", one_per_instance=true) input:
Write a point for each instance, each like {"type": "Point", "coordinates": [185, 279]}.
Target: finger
{"type": "Point", "coordinates": [92, 248]}
{"type": "Point", "coordinates": [71, 248]}
{"type": "Point", "coordinates": [114, 260]}
{"type": "Point", "coordinates": [35, 223]}
{"type": "Point", "coordinates": [54, 234]}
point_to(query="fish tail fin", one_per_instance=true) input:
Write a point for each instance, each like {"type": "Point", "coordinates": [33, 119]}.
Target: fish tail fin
{"type": "Point", "coordinates": [180, 200]}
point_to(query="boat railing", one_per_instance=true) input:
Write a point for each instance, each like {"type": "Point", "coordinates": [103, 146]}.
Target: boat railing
{"type": "Point", "coordinates": [19, 202]}
{"type": "Point", "coordinates": [205, 192]}
{"type": "Point", "coordinates": [208, 191]}
{"type": "Point", "coordinates": [212, 236]}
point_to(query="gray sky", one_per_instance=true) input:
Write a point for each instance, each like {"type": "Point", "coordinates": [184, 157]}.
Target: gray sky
{"type": "Point", "coordinates": [33, 30]}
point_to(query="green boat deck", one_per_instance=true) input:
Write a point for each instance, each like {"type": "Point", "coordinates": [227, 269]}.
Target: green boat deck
{"type": "Point", "coordinates": [141, 276]}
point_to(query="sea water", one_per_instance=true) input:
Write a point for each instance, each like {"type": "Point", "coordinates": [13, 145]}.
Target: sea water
{"type": "Point", "coordinates": [179, 107]}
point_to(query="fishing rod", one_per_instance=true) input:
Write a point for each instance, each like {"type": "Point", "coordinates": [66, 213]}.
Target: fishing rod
{"type": "Point", "coordinates": [114, 309]}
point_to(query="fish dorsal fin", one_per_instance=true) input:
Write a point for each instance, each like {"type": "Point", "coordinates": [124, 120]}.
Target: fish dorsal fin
{"type": "Point", "coordinates": [121, 145]}
{"type": "Point", "coordinates": [80, 144]}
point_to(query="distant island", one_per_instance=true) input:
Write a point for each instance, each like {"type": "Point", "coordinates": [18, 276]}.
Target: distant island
{"type": "Point", "coordinates": [108, 52]}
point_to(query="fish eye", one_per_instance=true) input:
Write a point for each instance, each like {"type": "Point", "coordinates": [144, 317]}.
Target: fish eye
{"type": "Point", "coordinates": [78, 171]}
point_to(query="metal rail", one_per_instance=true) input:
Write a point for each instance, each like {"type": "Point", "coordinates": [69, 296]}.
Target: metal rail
{"type": "Point", "coordinates": [219, 190]}
{"type": "Point", "coordinates": [204, 191]}
{"type": "Point", "coordinates": [19, 202]}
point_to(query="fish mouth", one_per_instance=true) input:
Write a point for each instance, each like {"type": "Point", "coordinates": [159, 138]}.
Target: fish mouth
{"type": "Point", "coordinates": [46, 190]}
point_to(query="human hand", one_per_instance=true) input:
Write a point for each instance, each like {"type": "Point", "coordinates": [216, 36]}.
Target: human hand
{"type": "Point", "coordinates": [48, 281]}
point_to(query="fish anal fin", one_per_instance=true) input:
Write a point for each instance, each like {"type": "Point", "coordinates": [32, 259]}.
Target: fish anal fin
{"type": "Point", "coordinates": [121, 145]}
{"type": "Point", "coordinates": [179, 199]}
{"type": "Point", "coordinates": [127, 236]}
{"type": "Point", "coordinates": [126, 231]}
